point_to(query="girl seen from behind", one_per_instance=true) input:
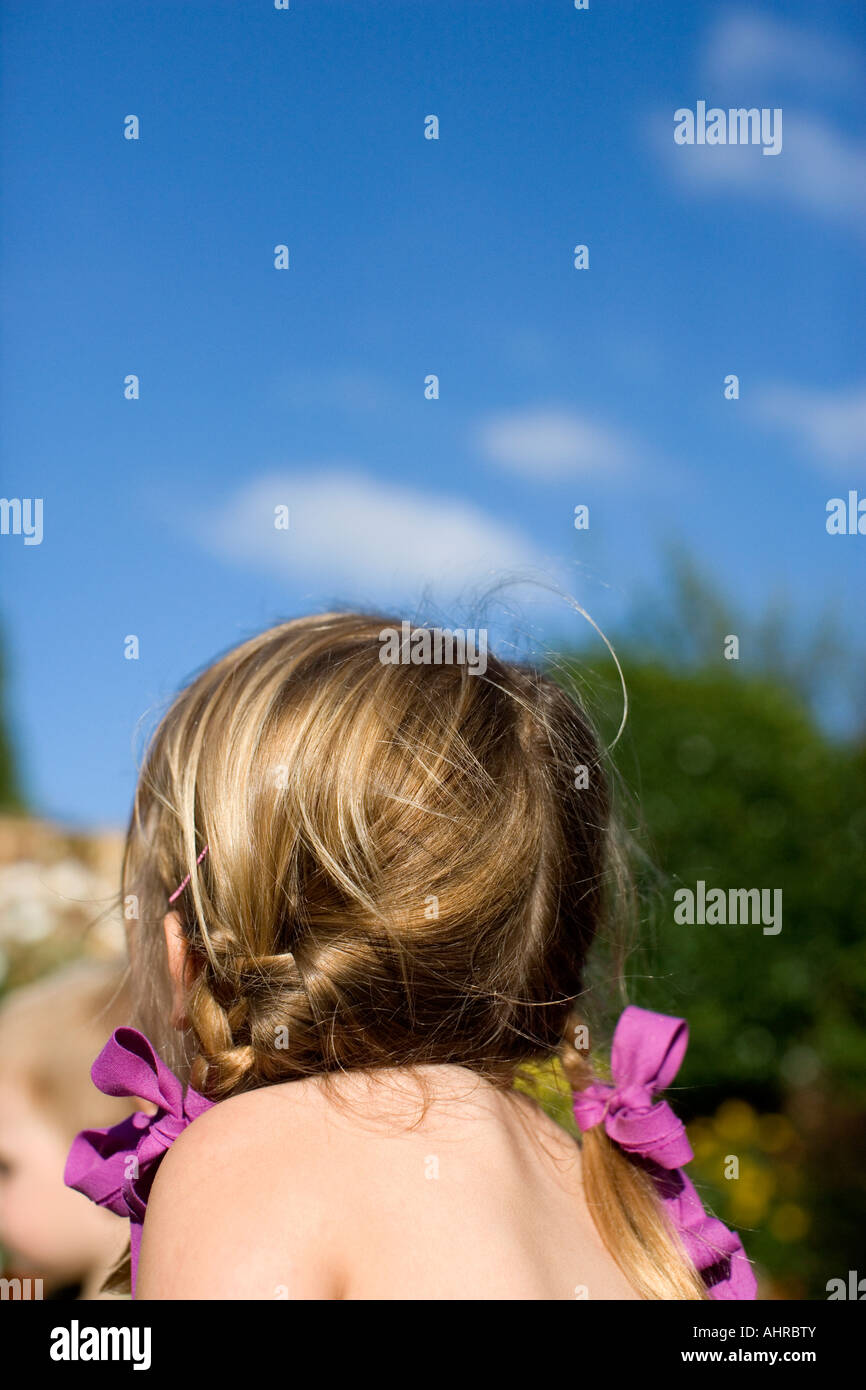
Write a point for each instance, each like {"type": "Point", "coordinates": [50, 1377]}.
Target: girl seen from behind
{"type": "Point", "coordinates": [365, 894]}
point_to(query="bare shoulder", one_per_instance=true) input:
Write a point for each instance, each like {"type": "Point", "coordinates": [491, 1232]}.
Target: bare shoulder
{"type": "Point", "coordinates": [242, 1205]}
{"type": "Point", "coordinates": [288, 1192]}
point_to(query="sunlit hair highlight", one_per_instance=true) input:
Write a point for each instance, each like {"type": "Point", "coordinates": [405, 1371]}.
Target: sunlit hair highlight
{"type": "Point", "coordinates": [401, 870]}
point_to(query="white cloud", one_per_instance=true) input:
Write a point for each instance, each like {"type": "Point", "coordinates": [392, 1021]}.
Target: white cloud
{"type": "Point", "coordinates": [551, 444]}
{"type": "Point", "coordinates": [830, 425]}
{"type": "Point", "coordinates": [747, 46]}
{"type": "Point", "coordinates": [356, 538]}
{"type": "Point", "coordinates": [817, 169]}
{"type": "Point", "coordinates": [744, 58]}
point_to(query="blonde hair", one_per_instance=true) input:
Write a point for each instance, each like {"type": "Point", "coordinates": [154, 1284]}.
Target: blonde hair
{"type": "Point", "coordinates": [400, 870]}
{"type": "Point", "coordinates": [50, 1032]}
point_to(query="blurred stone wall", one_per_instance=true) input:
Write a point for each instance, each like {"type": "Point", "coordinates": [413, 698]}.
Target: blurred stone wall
{"type": "Point", "coordinates": [59, 897]}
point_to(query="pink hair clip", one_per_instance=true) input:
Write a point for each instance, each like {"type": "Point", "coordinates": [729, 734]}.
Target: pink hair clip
{"type": "Point", "coordinates": [177, 892]}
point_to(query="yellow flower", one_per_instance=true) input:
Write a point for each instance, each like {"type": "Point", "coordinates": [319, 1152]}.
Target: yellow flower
{"type": "Point", "coordinates": [736, 1121]}
{"type": "Point", "coordinates": [750, 1193]}
{"type": "Point", "coordinates": [703, 1139]}
{"type": "Point", "coordinates": [789, 1222]}
{"type": "Point", "coordinates": [775, 1133]}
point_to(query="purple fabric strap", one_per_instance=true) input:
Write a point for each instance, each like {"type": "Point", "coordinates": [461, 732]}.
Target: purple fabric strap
{"type": "Point", "coordinates": [116, 1167]}
{"type": "Point", "coordinates": [647, 1051]}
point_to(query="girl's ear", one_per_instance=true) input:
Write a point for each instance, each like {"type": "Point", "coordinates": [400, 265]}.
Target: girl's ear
{"type": "Point", "coordinates": [179, 966]}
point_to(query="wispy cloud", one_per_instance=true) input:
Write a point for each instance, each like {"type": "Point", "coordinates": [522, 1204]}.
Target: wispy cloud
{"type": "Point", "coordinates": [551, 443]}
{"type": "Point", "coordinates": [357, 538]}
{"type": "Point", "coordinates": [830, 426]}
{"type": "Point", "coordinates": [749, 61]}
{"type": "Point", "coordinates": [818, 169]}
{"type": "Point", "coordinates": [745, 46]}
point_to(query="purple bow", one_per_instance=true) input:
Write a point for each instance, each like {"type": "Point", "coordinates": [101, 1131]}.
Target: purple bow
{"type": "Point", "coordinates": [116, 1167]}
{"type": "Point", "coordinates": [647, 1051]}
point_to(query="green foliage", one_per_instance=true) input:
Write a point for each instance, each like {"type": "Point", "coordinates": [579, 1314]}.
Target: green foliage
{"type": "Point", "coordinates": [737, 786]}
{"type": "Point", "coordinates": [727, 775]}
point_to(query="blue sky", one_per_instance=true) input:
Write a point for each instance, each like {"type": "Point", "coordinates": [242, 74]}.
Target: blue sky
{"type": "Point", "coordinates": [408, 256]}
